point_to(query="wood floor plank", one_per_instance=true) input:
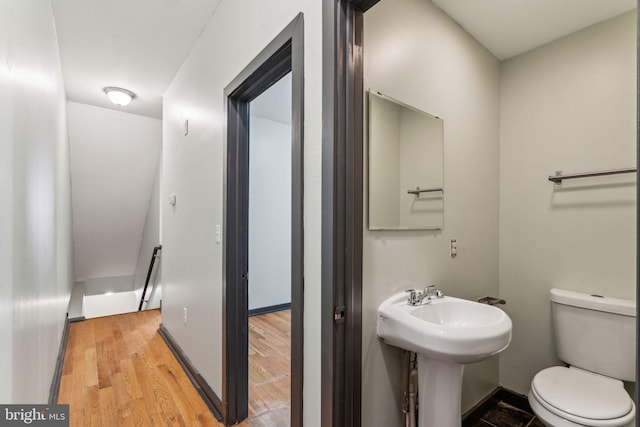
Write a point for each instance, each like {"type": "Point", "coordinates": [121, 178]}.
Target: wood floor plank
{"type": "Point", "coordinates": [90, 334]}
{"type": "Point", "coordinates": [139, 340]}
{"type": "Point", "coordinates": [76, 418]}
{"type": "Point", "coordinates": [90, 367]}
{"type": "Point", "coordinates": [139, 413]}
{"type": "Point", "coordinates": [126, 422]}
{"type": "Point", "coordinates": [130, 342]}
{"type": "Point", "coordinates": [102, 356]}
{"type": "Point", "coordinates": [158, 419]}
{"type": "Point", "coordinates": [78, 385]}
{"type": "Point", "coordinates": [131, 381]}
{"type": "Point", "coordinates": [146, 384]}
{"type": "Point", "coordinates": [175, 421]}
{"type": "Point", "coordinates": [120, 347]}
{"type": "Point", "coordinates": [160, 390]}
{"type": "Point", "coordinates": [64, 393]}
{"type": "Point", "coordinates": [189, 391]}
{"type": "Point", "coordinates": [120, 393]}
{"type": "Point", "coordinates": [92, 411]}
{"type": "Point", "coordinates": [208, 420]}
{"type": "Point", "coordinates": [108, 409]}
{"type": "Point", "coordinates": [184, 407]}
{"type": "Point", "coordinates": [156, 347]}
{"type": "Point", "coordinates": [67, 365]}
{"type": "Point", "coordinates": [77, 339]}
{"type": "Point", "coordinates": [100, 326]}
{"type": "Point", "coordinates": [114, 360]}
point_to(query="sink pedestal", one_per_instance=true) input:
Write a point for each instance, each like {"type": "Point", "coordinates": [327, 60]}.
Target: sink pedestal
{"type": "Point", "coordinates": [439, 389]}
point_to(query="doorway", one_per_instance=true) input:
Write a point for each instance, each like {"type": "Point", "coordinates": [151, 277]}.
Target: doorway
{"type": "Point", "coordinates": [281, 58]}
{"type": "Point", "coordinates": [269, 247]}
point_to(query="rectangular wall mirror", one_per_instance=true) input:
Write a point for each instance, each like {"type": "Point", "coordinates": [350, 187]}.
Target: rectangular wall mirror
{"type": "Point", "coordinates": [406, 166]}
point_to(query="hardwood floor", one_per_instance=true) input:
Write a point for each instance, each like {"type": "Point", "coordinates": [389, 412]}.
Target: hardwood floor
{"type": "Point", "coordinates": [270, 369]}
{"type": "Point", "coordinates": [119, 372]}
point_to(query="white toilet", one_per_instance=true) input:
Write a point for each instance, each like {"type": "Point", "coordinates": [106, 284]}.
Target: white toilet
{"type": "Point", "coordinates": [596, 337]}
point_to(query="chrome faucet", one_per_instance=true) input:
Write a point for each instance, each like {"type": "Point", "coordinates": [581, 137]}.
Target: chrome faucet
{"type": "Point", "coordinates": [424, 297]}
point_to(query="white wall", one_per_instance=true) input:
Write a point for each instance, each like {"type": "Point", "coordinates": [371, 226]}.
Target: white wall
{"type": "Point", "coordinates": [193, 169]}
{"type": "Point", "coordinates": [570, 105]}
{"type": "Point", "coordinates": [114, 157]}
{"type": "Point", "coordinates": [414, 53]}
{"type": "Point", "coordinates": [269, 213]}
{"type": "Point", "coordinates": [100, 285]}
{"type": "Point", "coordinates": [109, 304]}
{"type": "Point", "coordinates": [36, 263]}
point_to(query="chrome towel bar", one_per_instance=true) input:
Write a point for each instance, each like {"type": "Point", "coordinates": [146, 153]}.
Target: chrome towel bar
{"type": "Point", "coordinates": [559, 177]}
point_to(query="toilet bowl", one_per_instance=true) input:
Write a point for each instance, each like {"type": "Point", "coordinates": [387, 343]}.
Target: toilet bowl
{"type": "Point", "coordinates": [568, 397]}
{"type": "Point", "coordinates": [595, 336]}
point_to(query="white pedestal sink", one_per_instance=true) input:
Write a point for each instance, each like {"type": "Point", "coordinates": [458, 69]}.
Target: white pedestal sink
{"type": "Point", "coordinates": [446, 333]}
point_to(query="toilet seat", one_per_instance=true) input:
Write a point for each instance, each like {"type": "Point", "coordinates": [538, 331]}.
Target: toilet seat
{"type": "Point", "coordinates": [583, 397]}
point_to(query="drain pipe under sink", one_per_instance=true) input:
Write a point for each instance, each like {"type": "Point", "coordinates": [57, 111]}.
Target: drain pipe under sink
{"type": "Point", "coordinates": [410, 394]}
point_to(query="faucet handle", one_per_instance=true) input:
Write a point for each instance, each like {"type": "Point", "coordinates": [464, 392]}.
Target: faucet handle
{"type": "Point", "coordinates": [432, 291]}
{"type": "Point", "coordinates": [413, 296]}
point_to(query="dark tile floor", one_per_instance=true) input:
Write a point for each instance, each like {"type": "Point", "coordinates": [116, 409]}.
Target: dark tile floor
{"type": "Point", "coordinates": [503, 409]}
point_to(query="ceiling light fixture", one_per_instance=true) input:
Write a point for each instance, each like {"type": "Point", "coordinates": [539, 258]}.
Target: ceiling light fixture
{"type": "Point", "coordinates": [119, 96]}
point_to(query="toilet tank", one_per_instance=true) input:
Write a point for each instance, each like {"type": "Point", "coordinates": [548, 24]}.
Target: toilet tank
{"type": "Point", "coordinates": [595, 333]}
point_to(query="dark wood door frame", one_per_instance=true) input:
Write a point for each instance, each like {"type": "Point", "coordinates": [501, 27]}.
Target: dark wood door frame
{"type": "Point", "coordinates": [342, 210]}
{"type": "Point", "coordinates": [638, 198]}
{"type": "Point", "coordinates": [284, 54]}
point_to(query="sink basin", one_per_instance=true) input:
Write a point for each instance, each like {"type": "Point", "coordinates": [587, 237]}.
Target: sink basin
{"type": "Point", "coordinates": [447, 329]}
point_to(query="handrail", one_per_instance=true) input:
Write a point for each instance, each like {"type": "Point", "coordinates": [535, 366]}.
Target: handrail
{"type": "Point", "coordinates": [558, 177]}
{"type": "Point", "coordinates": [146, 283]}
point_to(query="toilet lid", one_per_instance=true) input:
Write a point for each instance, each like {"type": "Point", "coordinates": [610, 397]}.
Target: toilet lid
{"type": "Point", "coordinates": [581, 393]}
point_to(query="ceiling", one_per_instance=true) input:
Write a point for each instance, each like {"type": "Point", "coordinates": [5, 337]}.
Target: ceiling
{"type": "Point", "coordinates": [510, 27]}
{"type": "Point", "coordinates": [135, 44]}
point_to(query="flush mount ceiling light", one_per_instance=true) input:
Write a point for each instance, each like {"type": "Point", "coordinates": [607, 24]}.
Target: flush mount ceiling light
{"type": "Point", "coordinates": [119, 96]}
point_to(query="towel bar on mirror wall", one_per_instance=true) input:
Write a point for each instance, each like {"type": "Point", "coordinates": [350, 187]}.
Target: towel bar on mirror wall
{"type": "Point", "coordinates": [418, 191]}
{"type": "Point", "coordinates": [559, 177]}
